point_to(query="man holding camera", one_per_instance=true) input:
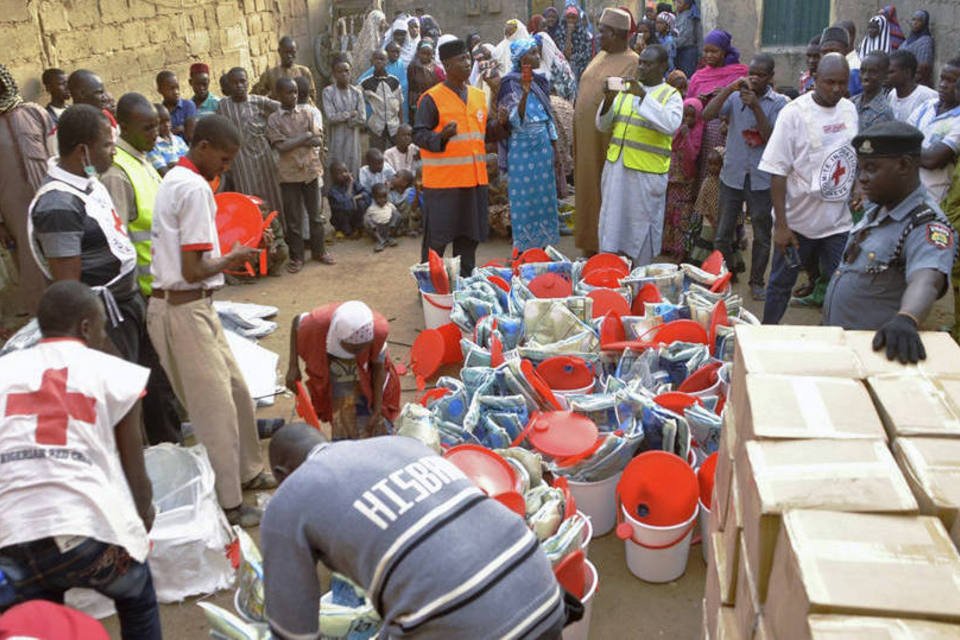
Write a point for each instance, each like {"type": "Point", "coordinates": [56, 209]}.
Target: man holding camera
{"type": "Point", "coordinates": [642, 116]}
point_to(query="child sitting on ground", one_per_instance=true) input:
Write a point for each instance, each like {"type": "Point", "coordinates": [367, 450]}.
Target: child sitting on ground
{"type": "Point", "coordinates": [381, 218]}
{"type": "Point", "coordinates": [403, 195]}
{"type": "Point", "coordinates": [376, 171]}
{"type": "Point", "coordinates": [404, 154]}
{"type": "Point", "coordinates": [347, 201]}
{"type": "Point", "coordinates": [169, 147]}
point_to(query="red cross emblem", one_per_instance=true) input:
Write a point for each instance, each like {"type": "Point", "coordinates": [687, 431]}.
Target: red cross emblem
{"type": "Point", "coordinates": [53, 406]}
{"type": "Point", "coordinates": [838, 173]}
{"type": "Point", "coordinates": [117, 222]}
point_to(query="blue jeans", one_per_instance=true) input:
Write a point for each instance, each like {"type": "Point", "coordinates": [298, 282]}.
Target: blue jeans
{"type": "Point", "coordinates": [826, 252]}
{"type": "Point", "coordinates": [40, 571]}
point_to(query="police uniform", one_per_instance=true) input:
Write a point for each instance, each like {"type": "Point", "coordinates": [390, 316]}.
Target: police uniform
{"type": "Point", "coordinates": [887, 246]}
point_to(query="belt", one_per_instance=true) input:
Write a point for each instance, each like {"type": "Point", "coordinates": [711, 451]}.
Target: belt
{"type": "Point", "coordinates": [181, 296]}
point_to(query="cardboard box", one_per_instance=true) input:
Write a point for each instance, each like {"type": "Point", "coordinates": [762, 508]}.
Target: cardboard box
{"type": "Point", "coordinates": [861, 564]}
{"type": "Point", "coordinates": [827, 627]}
{"type": "Point", "coordinates": [727, 625]}
{"type": "Point", "coordinates": [845, 475]}
{"type": "Point", "coordinates": [722, 482]}
{"type": "Point", "coordinates": [747, 607]}
{"type": "Point", "coordinates": [805, 407]}
{"type": "Point", "coordinates": [943, 355]}
{"type": "Point", "coordinates": [932, 468]}
{"type": "Point", "coordinates": [712, 597]}
{"type": "Point", "coordinates": [704, 625]}
{"type": "Point", "coordinates": [917, 405]}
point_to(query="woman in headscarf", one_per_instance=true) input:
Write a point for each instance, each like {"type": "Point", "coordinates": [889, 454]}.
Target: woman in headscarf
{"type": "Point", "coordinates": [368, 41]}
{"type": "Point", "coordinates": [556, 68]}
{"type": "Point", "coordinates": [666, 22]}
{"type": "Point", "coordinates": [921, 44]}
{"type": "Point", "coordinates": [399, 33]}
{"type": "Point", "coordinates": [552, 24]}
{"type": "Point", "coordinates": [483, 66]}
{"type": "Point", "coordinates": [512, 30]}
{"type": "Point", "coordinates": [883, 33]}
{"type": "Point", "coordinates": [352, 382]}
{"type": "Point", "coordinates": [683, 180]}
{"type": "Point", "coordinates": [530, 156]}
{"type": "Point", "coordinates": [429, 27]}
{"type": "Point", "coordinates": [422, 73]}
{"type": "Point", "coordinates": [574, 40]}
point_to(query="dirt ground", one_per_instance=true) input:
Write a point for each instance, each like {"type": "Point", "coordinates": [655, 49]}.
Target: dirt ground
{"type": "Point", "coordinates": [624, 605]}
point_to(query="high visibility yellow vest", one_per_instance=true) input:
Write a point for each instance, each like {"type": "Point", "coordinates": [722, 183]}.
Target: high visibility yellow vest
{"type": "Point", "coordinates": [643, 147]}
{"type": "Point", "coordinates": [464, 161]}
{"type": "Point", "coordinates": [146, 183]}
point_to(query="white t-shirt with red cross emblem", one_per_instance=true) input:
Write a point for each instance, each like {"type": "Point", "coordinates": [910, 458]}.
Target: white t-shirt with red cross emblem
{"type": "Point", "coordinates": [810, 145]}
{"type": "Point", "coordinates": [60, 471]}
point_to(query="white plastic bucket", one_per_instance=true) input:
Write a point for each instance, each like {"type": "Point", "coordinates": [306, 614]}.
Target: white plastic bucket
{"type": "Point", "coordinates": [659, 554]}
{"type": "Point", "coordinates": [566, 393]}
{"type": "Point", "coordinates": [587, 533]}
{"type": "Point", "coordinates": [436, 308]}
{"type": "Point", "coordinates": [580, 630]}
{"type": "Point", "coordinates": [704, 518]}
{"type": "Point", "coordinates": [598, 501]}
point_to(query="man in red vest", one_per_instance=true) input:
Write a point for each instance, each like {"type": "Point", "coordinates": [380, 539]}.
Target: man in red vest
{"type": "Point", "coordinates": [451, 128]}
{"type": "Point", "coordinates": [351, 379]}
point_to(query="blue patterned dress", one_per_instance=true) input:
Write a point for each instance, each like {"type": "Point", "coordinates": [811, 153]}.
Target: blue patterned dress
{"type": "Point", "coordinates": [532, 186]}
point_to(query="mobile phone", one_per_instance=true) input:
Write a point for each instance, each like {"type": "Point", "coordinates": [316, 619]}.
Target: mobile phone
{"type": "Point", "coordinates": [792, 257]}
{"type": "Point", "coordinates": [526, 73]}
{"type": "Point", "coordinates": [616, 84]}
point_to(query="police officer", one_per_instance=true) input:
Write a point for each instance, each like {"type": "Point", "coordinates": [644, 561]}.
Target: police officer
{"type": "Point", "coordinates": [898, 258]}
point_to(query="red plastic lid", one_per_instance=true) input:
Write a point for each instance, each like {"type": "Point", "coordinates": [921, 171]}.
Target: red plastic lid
{"type": "Point", "coordinates": [305, 408]}
{"type": "Point", "coordinates": [703, 378]}
{"type": "Point", "coordinates": [713, 264]}
{"type": "Point", "coordinates": [718, 318]}
{"type": "Point", "coordinates": [496, 262]}
{"type": "Point", "coordinates": [551, 285]}
{"type": "Point", "coordinates": [433, 394]}
{"type": "Point", "coordinates": [496, 352]}
{"type": "Point", "coordinates": [486, 469]}
{"type": "Point", "coordinates": [677, 401]}
{"type": "Point", "coordinates": [570, 573]}
{"type": "Point", "coordinates": [426, 356]}
{"type": "Point", "coordinates": [722, 282]}
{"type": "Point", "coordinates": [569, 502]}
{"type": "Point", "coordinates": [680, 331]}
{"type": "Point", "coordinates": [438, 273]}
{"type": "Point", "coordinates": [514, 501]}
{"type": "Point", "coordinates": [605, 261]}
{"type": "Point", "coordinates": [607, 278]}
{"type": "Point", "coordinates": [499, 282]}
{"type": "Point", "coordinates": [533, 255]}
{"type": "Point", "coordinates": [611, 330]}
{"type": "Point", "coordinates": [565, 372]}
{"type": "Point", "coordinates": [539, 384]}
{"type": "Point", "coordinates": [238, 220]}
{"type": "Point", "coordinates": [648, 293]}
{"type": "Point", "coordinates": [659, 489]}
{"type": "Point", "coordinates": [561, 434]}
{"type": "Point", "coordinates": [607, 300]}
{"type": "Point", "coordinates": [705, 475]}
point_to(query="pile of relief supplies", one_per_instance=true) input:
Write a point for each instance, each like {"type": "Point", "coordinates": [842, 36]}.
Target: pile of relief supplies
{"type": "Point", "coordinates": [569, 369]}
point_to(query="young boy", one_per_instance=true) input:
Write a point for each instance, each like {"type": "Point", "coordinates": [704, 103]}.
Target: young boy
{"type": "Point", "coordinates": [292, 132]}
{"type": "Point", "coordinates": [404, 154]}
{"type": "Point", "coordinates": [347, 201]}
{"type": "Point", "coordinates": [169, 147]}
{"type": "Point", "coordinates": [55, 82]}
{"type": "Point", "coordinates": [376, 171]}
{"type": "Point", "coordinates": [381, 218]}
{"type": "Point", "coordinates": [205, 102]}
{"type": "Point", "coordinates": [303, 99]}
{"type": "Point", "coordinates": [382, 93]}
{"type": "Point", "coordinates": [403, 195]}
{"type": "Point", "coordinates": [181, 110]}
{"type": "Point", "coordinates": [345, 111]}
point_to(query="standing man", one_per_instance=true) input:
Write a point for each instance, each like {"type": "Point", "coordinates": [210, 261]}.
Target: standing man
{"type": "Point", "coordinates": [872, 105]}
{"type": "Point", "coordinates": [384, 102]}
{"type": "Point", "coordinates": [132, 183]}
{"type": "Point", "coordinates": [205, 101]}
{"type": "Point", "coordinates": [642, 120]}
{"type": "Point", "coordinates": [939, 121]}
{"type": "Point", "coordinates": [437, 557]}
{"type": "Point", "coordinates": [187, 268]}
{"type": "Point", "coordinates": [689, 36]}
{"type": "Point", "coordinates": [55, 82]}
{"type": "Point", "coordinates": [75, 499]}
{"type": "Point", "coordinates": [86, 87]}
{"type": "Point", "coordinates": [24, 128]}
{"type": "Point", "coordinates": [813, 168]}
{"type": "Point", "coordinates": [450, 128]}
{"type": "Point", "coordinates": [589, 143]}
{"type": "Point", "coordinates": [898, 258]}
{"type": "Point", "coordinates": [267, 84]}
{"type": "Point", "coordinates": [905, 94]}
{"type": "Point", "coordinates": [751, 108]}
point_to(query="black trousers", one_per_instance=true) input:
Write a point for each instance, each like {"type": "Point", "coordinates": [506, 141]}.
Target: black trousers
{"type": "Point", "coordinates": [463, 246]}
{"type": "Point", "coordinates": [299, 199]}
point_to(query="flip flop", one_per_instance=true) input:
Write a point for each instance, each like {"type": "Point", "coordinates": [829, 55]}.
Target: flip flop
{"type": "Point", "coordinates": [294, 266]}
{"type": "Point", "coordinates": [326, 258]}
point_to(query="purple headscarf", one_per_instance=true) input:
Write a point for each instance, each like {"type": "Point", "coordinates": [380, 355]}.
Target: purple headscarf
{"type": "Point", "coordinates": [723, 40]}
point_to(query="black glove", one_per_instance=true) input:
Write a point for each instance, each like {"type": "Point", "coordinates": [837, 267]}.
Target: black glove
{"type": "Point", "coordinates": [902, 340]}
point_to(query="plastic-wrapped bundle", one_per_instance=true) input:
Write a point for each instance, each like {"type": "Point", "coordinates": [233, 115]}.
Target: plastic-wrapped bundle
{"type": "Point", "coordinates": [531, 462]}
{"type": "Point", "coordinates": [680, 359]}
{"type": "Point", "coordinates": [696, 275]}
{"type": "Point", "coordinates": [416, 421]}
{"type": "Point", "coordinates": [476, 299]}
{"type": "Point", "coordinates": [550, 321]}
{"type": "Point", "coordinates": [705, 426]}
{"type": "Point", "coordinates": [476, 380]}
{"type": "Point", "coordinates": [527, 272]}
{"type": "Point", "coordinates": [601, 408]}
{"type": "Point", "coordinates": [585, 341]}
{"type": "Point", "coordinates": [642, 366]}
{"type": "Point", "coordinates": [701, 302]}
{"type": "Point", "coordinates": [544, 510]}
{"type": "Point", "coordinates": [507, 328]}
{"type": "Point", "coordinates": [566, 540]}
{"type": "Point", "coordinates": [453, 434]}
{"type": "Point", "coordinates": [421, 273]}
{"type": "Point", "coordinates": [667, 277]}
{"type": "Point", "coordinates": [518, 297]}
{"type": "Point", "coordinates": [665, 431]}
{"type": "Point", "coordinates": [498, 432]}
{"type": "Point", "coordinates": [609, 459]}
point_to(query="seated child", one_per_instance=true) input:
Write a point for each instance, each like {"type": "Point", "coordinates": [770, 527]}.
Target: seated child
{"type": "Point", "coordinates": [376, 171]}
{"type": "Point", "coordinates": [403, 195]}
{"type": "Point", "coordinates": [347, 201]}
{"type": "Point", "coordinates": [498, 207]}
{"type": "Point", "coordinates": [381, 218]}
{"type": "Point", "coordinates": [169, 147]}
{"type": "Point", "coordinates": [404, 154]}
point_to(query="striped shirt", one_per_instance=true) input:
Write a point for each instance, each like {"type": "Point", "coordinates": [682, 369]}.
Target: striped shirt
{"type": "Point", "coordinates": [437, 558]}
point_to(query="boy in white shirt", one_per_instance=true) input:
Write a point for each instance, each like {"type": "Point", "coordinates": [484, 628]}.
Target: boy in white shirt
{"type": "Point", "coordinates": [376, 171]}
{"type": "Point", "coordinates": [404, 154]}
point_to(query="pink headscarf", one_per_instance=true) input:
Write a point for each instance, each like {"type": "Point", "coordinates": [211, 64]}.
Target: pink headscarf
{"type": "Point", "coordinates": [687, 147]}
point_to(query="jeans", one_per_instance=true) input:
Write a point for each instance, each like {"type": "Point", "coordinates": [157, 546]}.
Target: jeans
{"type": "Point", "coordinates": [759, 205]}
{"type": "Point", "coordinates": [46, 573]}
{"type": "Point", "coordinates": [827, 252]}
{"type": "Point", "coordinates": [301, 198]}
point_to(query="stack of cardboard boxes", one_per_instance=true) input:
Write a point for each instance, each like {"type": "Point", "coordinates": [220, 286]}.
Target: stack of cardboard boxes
{"type": "Point", "coordinates": [837, 491]}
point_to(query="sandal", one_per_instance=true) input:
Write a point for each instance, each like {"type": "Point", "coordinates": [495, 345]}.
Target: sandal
{"type": "Point", "coordinates": [263, 481]}
{"type": "Point", "coordinates": [294, 266]}
{"type": "Point", "coordinates": [326, 258]}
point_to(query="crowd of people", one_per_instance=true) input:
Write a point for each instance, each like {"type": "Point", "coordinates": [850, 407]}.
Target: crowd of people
{"type": "Point", "coordinates": [669, 142]}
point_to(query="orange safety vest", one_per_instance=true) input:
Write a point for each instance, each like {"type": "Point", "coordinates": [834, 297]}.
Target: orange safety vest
{"type": "Point", "coordinates": [464, 162]}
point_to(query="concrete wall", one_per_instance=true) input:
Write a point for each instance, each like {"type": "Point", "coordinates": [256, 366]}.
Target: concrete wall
{"type": "Point", "coordinates": [461, 17]}
{"type": "Point", "coordinates": [128, 41]}
{"type": "Point", "coordinates": [743, 19]}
